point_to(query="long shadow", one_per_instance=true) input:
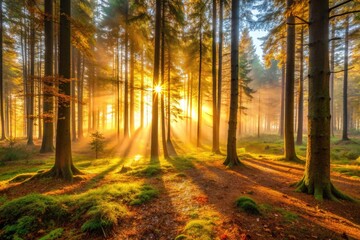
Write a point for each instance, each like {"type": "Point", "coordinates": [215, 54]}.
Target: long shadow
{"type": "Point", "coordinates": [272, 191]}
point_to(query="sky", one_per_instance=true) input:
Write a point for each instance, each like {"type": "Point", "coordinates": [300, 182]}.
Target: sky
{"type": "Point", "coordinates": [257, 42]}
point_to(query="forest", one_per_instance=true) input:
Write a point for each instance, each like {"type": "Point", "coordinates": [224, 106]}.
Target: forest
{"type": "Point", "coordinates": [171, 119]}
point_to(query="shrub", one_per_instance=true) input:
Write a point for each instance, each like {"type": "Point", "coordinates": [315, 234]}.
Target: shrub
{"type": "Point", "coordinates": [97, 143]}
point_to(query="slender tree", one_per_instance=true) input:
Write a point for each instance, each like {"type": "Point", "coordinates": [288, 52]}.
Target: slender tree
{"type": "Point", "coordinates": [1, 75]}
{"type": "Point", "coordinates": [290, 154]}
{"type": "Point", "coordinates": [345, 85]}
{"type": "Point", "coordinates": [155, 100]}
{"type": "Point", "coordinates": [232, 158]}
{"type": "Point", "coordinates": [47, 144]}
{"type": "Point", "coordinates": [216, 148]}
{"type": "Point", "coordinates": [299, 137]}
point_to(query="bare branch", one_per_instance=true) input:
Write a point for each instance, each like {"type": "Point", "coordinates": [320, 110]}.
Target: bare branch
{"type": "Point", "coordinates": [295, 24]}
{"type": "Point", "coordinates": [303, 20]}
{"type": "Point", "coordinates": [342, 70]}
{"type": "Point", "coordinates": [335, 38]}
{"type": "Point", "coordinates": [342, 14]}
{"type": "Point", "coordinates": [338, 5]}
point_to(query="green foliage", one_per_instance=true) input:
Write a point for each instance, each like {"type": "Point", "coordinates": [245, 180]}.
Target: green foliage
{"type": "Point", "coordinates": [97, 143]}
{"type": "Point", "coordinates": [54, 234]}
{"type": "Point", "coordinates": [348, 170]}
{"type": "Point", "coordinates": [21, 228]}
{"type": "Point", "coordinates": [248, 205]}
{"type": "Point", "coordinates": [146, 194]}
{"type": "Point", "coordinates": [13, 153]}
{"type": "Point", "coordinates": [287, 215]}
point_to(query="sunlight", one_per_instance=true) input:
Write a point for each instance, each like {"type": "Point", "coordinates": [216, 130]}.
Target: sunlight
{"type": "Point", "coordinates": [137, 157]}
{"type": "Point", "coordinates": [158, 89]}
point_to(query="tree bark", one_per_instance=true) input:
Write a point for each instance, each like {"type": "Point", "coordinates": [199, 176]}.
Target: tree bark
{"type": "Point", "coordinates": [219, 87]}
{"type": "Point", "coordinates": [345, 86]}
{"type": "Point", "coordinates": [155, 101]}
{"type": "Point", "coordinates": [126, 91]}
{"type": "Point", "coordinates": [80, 86]}
{"type": "Point", "coordinates": [132, 88]}
{"type": "Point", "coordinates": [47, 144]}
{"type": "Point", "coordinates": [281, 125]}
{"type": "Point", "coordinates": [214, 95]}
{"type": "Point", "coordinates": [64, 167]}
{"type": "Point", "coordinates": [2, 112]}
{"type": "Point", "coordinates": [199, 89]}
{"type": "Point", "coordinates": [162, 96]}
{"type": "Point", "coordinates": [290, 154]}
{"type": "Point", "coordinates": [72, 100]}
{"type": "Point", "coordinates": [30, 94]}
{"type": "Point", "coordinates": [299, 137]}
{"type": "Point", "coordinates": [316, 178]}
{"type": "Point", "coordinates": [232, 158]}
{"type": "Point", "coordinates": [332, 80]}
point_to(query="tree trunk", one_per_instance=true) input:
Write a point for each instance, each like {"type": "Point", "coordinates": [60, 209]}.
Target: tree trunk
{"type": "Point", "coordinates": [2, 112]}
{"type": "Point", "coordinates": [80, 88]}
{"type": "Point", "coordinates": [155, 107]}
{"type": "Point", "coordinates": [214, 95]}
{"type": "Point", "coordinates": [64, 167]}
{"type": "Point", "coordinates": [199, 89]}
{"type": "Point", "coordinates": [232, 158]}
{"type": "Point", "coordinates": [221, 19]}
{"type": "Point", "coordinates": [142, 86]}
{"type": "Point", "coordinates": [162, 97]}
{"type": "Point", "coordinates": [332, 80]}
{"type": "Point", "coordinates": [281, 125]}
{"type": "Point", "coordinates": [299, 139]}
{"type": "Point", "coordinates": [47, 144]}
{"type": "Point", "coordinates": [30, 94]}
{"type": "Point", "coordinates": [117, 76]}
{"type": "Point", "coordinates": [126, 93]}
{"type": "Point", "coordinates": [316, 178]}
{"type": "Point", "coordinates": [72, 103]}
{"type": "Point", "coordinates": [345, 86]}
{"type": "Point", "coordinates": [132, 88]}
{"type": "Point", "coordinates": [290, 154]}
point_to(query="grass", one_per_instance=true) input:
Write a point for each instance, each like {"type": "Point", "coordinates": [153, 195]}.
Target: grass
{"type": "Point", "coordinates": [352, 171]}
{"type": "Point", "coordinates": [248, 205]}
{"type": "Point", "coordinates": [97, 211]}
{"type": "Point", "coordinates": [197, 229]}
{"type": "Point", "coordinates": [287, 216]}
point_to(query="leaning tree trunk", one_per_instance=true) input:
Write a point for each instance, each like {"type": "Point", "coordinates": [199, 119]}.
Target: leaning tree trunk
{"type": "Point", "coordinates": [47, 144]}
{"type": "Point", "coordinates": [155, 100]}
{"type": "Point", "coordinates": [299, 137]}
{"type": "Point", "coordinates": [345, 86]}
{"type": "Point", "coordinates": [1, 76]}
{"type": "Point", "coordinates": [316, 178]}
{"type": "Point", "coordinates": [290, 154]}
{"type": "Point", "coordinates": [232, 158]}
{"type": "Point", "coordinates": [64, 167]}
{"type": "Point", "coordinates": [214, 102]}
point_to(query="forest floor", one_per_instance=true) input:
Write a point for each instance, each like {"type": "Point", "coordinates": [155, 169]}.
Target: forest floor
{"type": "Point", "coordinates": [197, 193]}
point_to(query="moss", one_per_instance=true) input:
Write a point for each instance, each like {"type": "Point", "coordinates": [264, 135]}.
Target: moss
{"type": "Point", "coordinates": [146, 193]}
{"type": "Point", "coordinates": [288, 215]}
{"type": "Point", "coordinates": [248, 205]}
{"type": "Point", "coordinates": [198, 229]}
{"type": "Point", "coordinates": [54, 234]}
{"type": "Point", "coordinates": [21, 228]}
{"type": "Point", "coordinates": [180, 237]}
{"type": "Point", "coordinates": [148, 171]}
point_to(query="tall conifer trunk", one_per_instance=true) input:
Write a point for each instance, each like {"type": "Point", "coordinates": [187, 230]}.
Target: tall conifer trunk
{"type": "Point", "coordinates": [232, 158]}
{"type": "Point", "coordinates": [345, 86]}
{"type": "Point", "coordinates": [301, 91]}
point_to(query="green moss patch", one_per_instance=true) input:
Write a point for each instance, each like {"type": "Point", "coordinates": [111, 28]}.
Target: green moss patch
{"type": "Point", "coordinates": [197, 229]}
{"type": "Point", "coordinates": [248, 205]}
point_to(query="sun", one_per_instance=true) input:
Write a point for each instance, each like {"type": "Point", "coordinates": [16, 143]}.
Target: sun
{"type": "Point", "coordinates": [158, 89]}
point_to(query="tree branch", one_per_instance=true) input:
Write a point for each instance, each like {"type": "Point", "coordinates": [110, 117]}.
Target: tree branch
{"type": "Point", "coordinates": [342, 70]}
{"type": "Point", "coordinates": [335, 38]}
{"type": "Point", "coordinates": [342, 14]}
{"type": "Point", "coordinates": [295, 24]}
{"type": "Point", "coordinates": [303, 20]}
{"type": "Point", "coordinates": [338, 5]}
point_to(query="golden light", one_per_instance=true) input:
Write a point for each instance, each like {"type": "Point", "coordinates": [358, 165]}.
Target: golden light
{"type": "Point", "coordinates": [137, 157]}
{"type": "Point", "coordinates": [158, 89]}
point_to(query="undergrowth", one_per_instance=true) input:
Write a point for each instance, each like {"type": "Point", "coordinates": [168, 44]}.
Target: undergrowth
{"type": "Point", "coordinates": [96, 211]}
{"type": "Point", "coordinates": [248, 205]}
{"type": "Point", "coordinates": [197, 229]}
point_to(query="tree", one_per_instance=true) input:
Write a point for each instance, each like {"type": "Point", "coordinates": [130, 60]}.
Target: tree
{"type": "Point", "coordinates": [290, 154]}
{"type": "Point", "coordinates": [316, 180]}
{"type": "Point", "coordinates": [216, 144]}
{"type": "Point", "coordinates": [155, 100]}
{"type": "Point", "coordinates": [64, 167]}
{"type": "Point", "coordinates": [345, 86]}
{"type": "Point", "coordinates": [232, 158]}
{"type": "Point", "coordinates": [1, 75]}
{"type": "Point", "coordinates": [48, 134]}
{"type": "Point", "coordinates": [299, 135]}
{"type": "Point", "coordinates": [97, 143]}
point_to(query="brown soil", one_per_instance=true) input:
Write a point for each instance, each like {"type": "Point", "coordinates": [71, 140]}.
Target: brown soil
{"type": "Point", "coordinates": [208, 191]}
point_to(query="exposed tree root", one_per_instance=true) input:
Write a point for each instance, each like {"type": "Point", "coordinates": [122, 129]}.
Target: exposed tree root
{"type": "Point", "coordinates": [232, 162]}
{"type": "Point", "coordinates": [320, 192]}
{"type": "Point", "coordinates": [56, 172]}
